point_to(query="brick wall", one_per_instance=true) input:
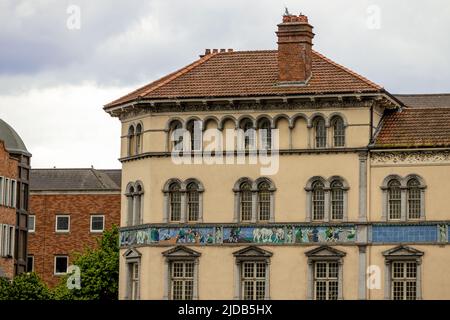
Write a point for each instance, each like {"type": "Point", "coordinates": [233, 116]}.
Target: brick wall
{"type": "Point", "coordinates": [8, 169]}
{"type": "Point", "coordinates": [45, 243]}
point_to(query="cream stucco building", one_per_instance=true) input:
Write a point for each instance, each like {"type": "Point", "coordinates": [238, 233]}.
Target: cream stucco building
{"type": "Point", "coordinates": [320, 184]}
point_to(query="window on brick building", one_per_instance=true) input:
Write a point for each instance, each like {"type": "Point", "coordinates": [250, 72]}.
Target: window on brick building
{"type": "Point", "coordinates": [97, 223]}
{"type": "Point", "coordinates": [61, 264]}
{"type": "Point", "coordinates": [30, 263]}
{"type": "Point", "coordinates": [31, 223]}
{"type": "Point", "coordinates": [62, 223]}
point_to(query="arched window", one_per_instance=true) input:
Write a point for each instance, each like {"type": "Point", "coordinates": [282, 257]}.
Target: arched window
{"type": "Point", "coordinates": [131, 143]}
{"type": "Point", "coordinates": [175, 202]}
{"type": "Point", "coordinates": [134, 194]}
{"type": "Point", "coordinates": [394, 200]}
{"type": "Point", "coordinates": [246, 201]}
{"type": "Point", "coordinates": [318, 201]}
{"type": "Point", "coordinates": [264, 201]}
{"type": "Point", "coordinates": [265, 134]}
{"type": "Point", "coordinates": [249, 134]}
{"type": "Point", "coordinates": [338, 132]}
{"type": "Point", "coordinates": [320, 132]}
{"type": "Point", "coordinates": [138, 138]}
{"type": "Point", "coordinates": [192, 201]}
{"type": "Point", "coordinates": [195, 133]}
{"type": "Point", "coordinates": [337, 200]}
{"type": "Point", "coordinates": [176, 135]}
{"type": "Point", "coordinates": [414, 199]}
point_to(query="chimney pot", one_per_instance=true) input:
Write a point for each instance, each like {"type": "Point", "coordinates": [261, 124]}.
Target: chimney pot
{"type": "Point", "coordinates": [207, 51]}
{"type": "Point", "coordinates": [230, 50]}
{"type": "Point", "coordinates": [294, 49]}
{"type": "Point", "coordinates": [215, 50]}
{"type": "Point", "coordinates": [223, 50]}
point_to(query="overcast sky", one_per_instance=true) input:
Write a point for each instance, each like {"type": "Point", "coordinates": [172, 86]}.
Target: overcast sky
{"type": "Point", "coordinates": [56, 77]}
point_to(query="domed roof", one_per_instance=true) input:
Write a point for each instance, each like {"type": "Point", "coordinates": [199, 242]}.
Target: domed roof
{"type": "Point", "coordinates": [13, 142]}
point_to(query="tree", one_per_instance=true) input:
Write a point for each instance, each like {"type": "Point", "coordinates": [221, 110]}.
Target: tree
{"type": "Point", "coordinates": [99, 270]}
{"type": "Point", "coordinates": [26, 286]}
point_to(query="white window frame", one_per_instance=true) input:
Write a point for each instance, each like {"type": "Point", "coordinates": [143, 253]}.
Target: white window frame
{"type": "Point", "coordinates": [54, 265]}
{"type": "Point", "coordinates": [91, 220]}
{"type": "Point", "coordinates": [34, 223]}
{"type": "Point", "coordinates": [2, 190]}
{"type": "Point", "coordinates": [56, 223]}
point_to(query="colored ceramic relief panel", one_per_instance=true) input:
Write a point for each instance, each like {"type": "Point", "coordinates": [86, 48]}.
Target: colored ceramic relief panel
{"type": "Point", "coordinates": [226, 235]}
{"type": "Point", "coordinates": [405, 233]}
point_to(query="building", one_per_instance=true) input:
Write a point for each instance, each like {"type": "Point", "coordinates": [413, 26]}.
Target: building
{"type": "Point", "coordinates": [14, 175]}
{"type": "Point", "coordinates": [322, 184]}
{"type": "Point", "coordinates": [69, 209]}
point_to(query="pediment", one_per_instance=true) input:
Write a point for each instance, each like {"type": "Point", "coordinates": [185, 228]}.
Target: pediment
{"type": "Point", "coordinates": [252, 252]}
{"type": "Point", "coordinates": [402, 251]}
{"type": "Point", "coordinates": [131, 254]}
{"type": "Point", "coordinates": [325, 251]}
{"type": "Point", "coordinates": [181, 251]}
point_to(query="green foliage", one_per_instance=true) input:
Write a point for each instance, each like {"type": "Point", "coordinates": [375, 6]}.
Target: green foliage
{"type": "Point", "coordinates": [27, 286]}
{"type": "Point", "coordinates": [99, 271]}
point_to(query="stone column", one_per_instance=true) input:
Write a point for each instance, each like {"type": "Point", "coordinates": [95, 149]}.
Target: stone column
{"type": "Point", "coordinates": [195, 289]}
{"type": "Point", "coordinates": [422, 204]}
{"type": "Point", "coordinates": [404, 206]}
{"type": "Point", "coordinates": [166, 280]}
{"type": "Point", "coordinates": [254, 205]}
{"type": "Point", "coordinates": [166, 208]}
{"type": "Point", "coordinates": [308, 206]}
{"type": "Point", "coordinates": [419, 281]}
{"type": "Point", "coordinates": [237, 280]}
{"type": "Point", "coordinates": [200, 207]}
{"type": "Point", "coordinates": [267, 285]}
{"type": "Point", "coordinates": [340, 282]}
{"type": "Point", "coordinates": [326, 217]}
{"type": "Point", "coordinates": [387, 280]}
{"type": "Point", "coordinates": [237, 204]}
{"type": "Point", "coordinates": [310, 281]}
{"type": "Point", "coordinates": [290, 138]}
{"type": "Point", "coordinates": [183, 207]}
{"type": "Point", "coordinates": [362, 186]}
{"type": "Point", "coordinates": [362, 273]}
{"type": "Point", "coordinates": [384, 214]}
{"type": "Point", "coordinates": [272, 207]}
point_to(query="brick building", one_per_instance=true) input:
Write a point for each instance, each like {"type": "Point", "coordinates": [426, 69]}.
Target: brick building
{"type": "Point", "coordinates": [69, 209]}
{"type": "Point", "coordinates": [14, 174]}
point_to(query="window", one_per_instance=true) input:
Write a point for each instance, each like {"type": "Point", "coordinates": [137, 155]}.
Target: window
{"type": "Point", "coordinates": [318, 201]}
{"type": "Point", "coordinates": [61, 264]}
{"type": "Point", "coordinates": [326, 280]}
{"type": "Point", "coordinates": [182, 280]}
{"type": "Point", "coordinates": [394, 200]}
{"type": "Point", "coordinates": [176, 135]}
{"type": "Point", "coordinates": [135, 281]}
{"type": "Point", "coordinates": [246, 202]}
{"type": "Point", "coordinates": [97, 223]}
{"type": "Point", "coordinates": [134, 194]}
{"type": "Point", "coordinates": [192, 201]}
{"type": "Point", "coordinates": [253, 280]}
{"type": "Point", "coordinates": [414, 199]}
{"type": "Point", "coordinates": [337, 200]}
{"type": "Point", "coordinates": [338, 132]}
{"type": "Point", "coordinates": [320, 132]}
{"type": "Point", "coordinates": [264, 201]}
{"type": "Point", "coordinates": [138, 138]}
{"type": "Point", "coordinates": [253, 273]}
{"type": "Point", "coordinates": [249, 134]}
{"type": "Point", "coordinates": [6, 193]}
{"type": "Point", "coordinates": [404, 280]}
{"type": "Point", "coordinates": [62, 223]}
{"type": "Point", "coordinates": [131, 141]}
{"type": "Point", "coordinates": [30, 263]}
{"type": "Point", "coordinates": [265, 134]}
{"type": "Point", "coordinates": [31, 223]}
{"type": "Point", "coordinates": [195, 133]}
{"type": "Point", "coordinates": [181, 268]}
{"type": "Point", "coordinates": [12, 200]}
{"type": "Point", "coordinates": [7, 240]}
{"type": "Point", "coordinates": [175, 202]}
{"type": "Point", "coordinates": [2, 190]}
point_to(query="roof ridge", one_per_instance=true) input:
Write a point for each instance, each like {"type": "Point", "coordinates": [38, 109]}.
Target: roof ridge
{"type": "Point", "coordinates": [180, 72]}
{"type": "Point", "coordinates": [353, 73]}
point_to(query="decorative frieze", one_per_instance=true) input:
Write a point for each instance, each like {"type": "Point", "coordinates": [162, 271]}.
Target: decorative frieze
{"type": "Point", "coordinates": [410, 157]}
{"type": "Point", "coordinates": [213, 235]}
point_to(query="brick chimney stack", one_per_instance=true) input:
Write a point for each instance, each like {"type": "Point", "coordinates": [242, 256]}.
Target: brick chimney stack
{"type": "Point", "coordinates": [294, 49]}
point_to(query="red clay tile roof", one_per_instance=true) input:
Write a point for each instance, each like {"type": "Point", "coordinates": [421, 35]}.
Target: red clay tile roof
{"type": "Point", "coordinates": [415, 127]}
{"type": "Point", "coordinates": [248, 73]}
